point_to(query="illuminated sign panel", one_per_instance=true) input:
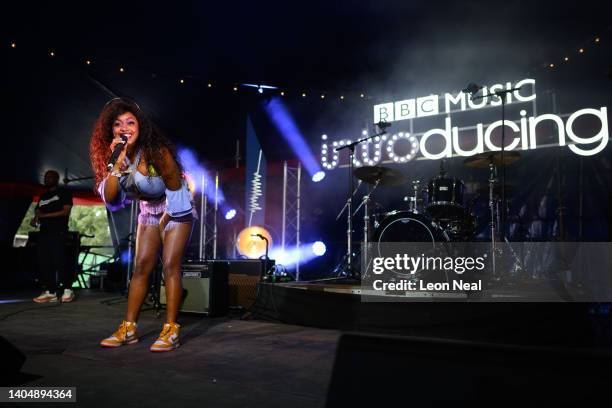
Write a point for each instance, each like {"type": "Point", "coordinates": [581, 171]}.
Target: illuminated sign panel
{"type": "Point", "coordinates": [520, 134]}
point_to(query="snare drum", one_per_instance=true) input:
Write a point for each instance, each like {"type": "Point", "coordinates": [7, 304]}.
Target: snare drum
{"type": "Point", "coordinates": [445, 195]}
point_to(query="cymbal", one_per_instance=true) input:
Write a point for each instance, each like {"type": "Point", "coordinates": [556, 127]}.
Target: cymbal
{"type": "Point", "coordinates": [384, 175]}
{"type": "Point", "coordinates": [482, 160]}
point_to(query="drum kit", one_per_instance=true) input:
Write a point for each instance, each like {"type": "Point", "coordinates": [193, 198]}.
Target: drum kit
{"type": "Point", "coordinates": [436, 211]}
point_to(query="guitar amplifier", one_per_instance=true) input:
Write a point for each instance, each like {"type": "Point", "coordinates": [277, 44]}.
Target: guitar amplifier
{"type": "Point", "coordinates": [244, 275]}
{"type": "Point", "coordinates": [207, 286]}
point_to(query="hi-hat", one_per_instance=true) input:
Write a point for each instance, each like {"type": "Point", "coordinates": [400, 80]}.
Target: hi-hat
{"type": "Point", "coordinates": [384, 175]}
{"type": "Point", "coordinates": [482, 160]}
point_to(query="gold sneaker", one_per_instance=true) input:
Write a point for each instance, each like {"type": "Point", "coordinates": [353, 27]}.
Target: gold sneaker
{"type": "Point", "coordinates": [125, 334]}
{"type": "Point", "coordinates": [168, 339]}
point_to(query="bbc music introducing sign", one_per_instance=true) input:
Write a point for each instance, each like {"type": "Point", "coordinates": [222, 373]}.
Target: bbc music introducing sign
{"type": "Point", "coordinates": [521, 135]}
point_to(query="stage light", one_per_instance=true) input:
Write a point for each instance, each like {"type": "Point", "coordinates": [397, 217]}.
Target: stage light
{"type": "Point", "coordinates": [209, 85]}
{"type": "Point", "coordinates": [88, 62]}
{"type": "Point", "coordinates": [282, 94]}
{"type": "Point", "coordinates": [362, 95]}
{"type": "Point", "coordinates": [230, 214]}
{"type": "Point", "coordinates": [597, 40]}
{"type": "Point", "coordinates": [286, 126]}
{"type": "Point", "coordinates": [319, 248]}
{"type": "Point", "coordinates": [121, 69]}
{"type": "Point", "coordinates": [260, 90]}
{"type": "Point", "coordinates": [182, 81]}
{"type": "Point", "coordinates": [235, 88]}
{"type": "Point", "coordinates": [552, 65]}
{"type": "Point", "coordinates": [324, 137]}
{"type": "Point", "coordinates": [251, 246]}
{"type": "Point", "coordinates": [581, 50]}
{"type": "Point", "coordinates": [566, 59]}
{"type": "Point", "coordinates": [52, 54]}
{"type": "Point", "coordinates": [303, 95]}
{"type": "Point", "coordinates": [341, 96]}
{"type": "Point", "coordinates": [13, 45]}
{"type": "Point", "coordinates": [318, 176]}
{"type": "Point", "coordinates": [322, 96]}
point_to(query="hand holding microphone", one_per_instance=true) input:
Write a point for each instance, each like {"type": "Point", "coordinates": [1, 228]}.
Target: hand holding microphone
{"type": "Point", "coordinates": [118, 147]}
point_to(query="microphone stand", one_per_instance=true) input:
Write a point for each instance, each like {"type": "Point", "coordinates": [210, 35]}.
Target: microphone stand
{"type": "Point", "coordinates": [502, 95]}
{"type": "Point", "coordinates": [350, 271]}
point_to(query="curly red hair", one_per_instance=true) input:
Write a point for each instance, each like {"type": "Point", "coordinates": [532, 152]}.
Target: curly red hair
{"type": "Point", "coordinates": [151, 141]}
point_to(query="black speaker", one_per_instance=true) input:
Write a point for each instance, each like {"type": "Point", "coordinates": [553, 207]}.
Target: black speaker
{"type": "Point", "coordinates": [206, 286]}
{"type": "Point", "coordinates": [379, 371]}
{"type": "Point", "coordinates": [12, 361]}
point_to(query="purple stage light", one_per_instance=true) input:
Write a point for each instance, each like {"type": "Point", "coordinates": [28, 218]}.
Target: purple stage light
{"type": "Point", "coordinates": [198, 173]}
{"type": "Point", "coordinates": [282, 119]}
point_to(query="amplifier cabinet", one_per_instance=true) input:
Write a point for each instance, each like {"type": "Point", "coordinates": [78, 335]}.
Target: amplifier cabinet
{"type": "Point", "coordinates": [207, 288]}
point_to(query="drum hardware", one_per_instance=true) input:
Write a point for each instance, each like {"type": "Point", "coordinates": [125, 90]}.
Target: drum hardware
{"type": "Point", "coordinates": [366, 222]}
{"type": "Point", "coordinates": [348, 268]}
{"type": "Point", "coordinates": [501, 94]}
{"type": "Point", "coordinates": [445, 196]}
{"type": "Point", "coordinates": [413, 200]}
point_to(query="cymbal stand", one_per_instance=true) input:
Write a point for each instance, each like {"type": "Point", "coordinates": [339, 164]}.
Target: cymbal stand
{"type": "Point", "coordinates": [492, 207]}
{"type": "Point", "coordinates": [501, 94]}
{"type": "Point", "coordinates": [366, 224]}
{"type": "Point", "coordinates": [349, 269]}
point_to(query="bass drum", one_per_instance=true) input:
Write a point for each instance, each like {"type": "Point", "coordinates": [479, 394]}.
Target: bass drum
{"type": "Point", "coordinates": [406, 226]}
{"type": "Point", "coordinates": [402, 227]}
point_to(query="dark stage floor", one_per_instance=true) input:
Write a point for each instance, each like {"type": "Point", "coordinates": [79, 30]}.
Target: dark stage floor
{"type": "Point", "coordinates": [229, 362]}
{"type": "Point", "coordinates": [223, 362]}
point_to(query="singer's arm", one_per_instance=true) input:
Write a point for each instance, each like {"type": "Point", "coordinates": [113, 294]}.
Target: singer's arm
{"type": "Point", "coordinates": [178, 198]}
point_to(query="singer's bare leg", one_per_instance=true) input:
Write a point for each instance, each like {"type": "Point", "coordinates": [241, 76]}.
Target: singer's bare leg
{"type": "Point", "coordinates": [175, 242]}
{"type": "Point", "coordinates": [148, 243]}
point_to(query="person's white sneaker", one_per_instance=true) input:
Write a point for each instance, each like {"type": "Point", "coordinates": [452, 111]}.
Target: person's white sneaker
{"type": "Point", "coordinates": [68, 295]}
{"type": "Point", "coordinates": [46, 296]}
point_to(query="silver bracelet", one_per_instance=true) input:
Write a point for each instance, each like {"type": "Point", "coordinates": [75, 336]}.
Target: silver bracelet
{"type": "Point", "coordinates": [115, 173]}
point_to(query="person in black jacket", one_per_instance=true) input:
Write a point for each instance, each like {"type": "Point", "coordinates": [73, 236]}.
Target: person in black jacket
{"type": "Point", "coordinates": [51, 215]}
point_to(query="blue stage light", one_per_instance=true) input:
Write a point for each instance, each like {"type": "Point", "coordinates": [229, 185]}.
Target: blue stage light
{"type": "Point", "coordinates": [229, 214]}
{"type": "Point", "coordinates": [318, 176]}
{"type": "Point", "coordinates": [319, 248]}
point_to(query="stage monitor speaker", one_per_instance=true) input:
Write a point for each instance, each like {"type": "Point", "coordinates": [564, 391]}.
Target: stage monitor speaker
{"type": "Point", "coordinates": [206, 286]}
{"type": "Point", "coordinates": [12, 361]}
{"type": "Point", "coordinates": [379, 371]}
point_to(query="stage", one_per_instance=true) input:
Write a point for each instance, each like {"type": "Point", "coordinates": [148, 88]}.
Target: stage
{"type": "Point", "coordinates": [291, 347]}
{"type": "Point", "coordinates": [222, 361]}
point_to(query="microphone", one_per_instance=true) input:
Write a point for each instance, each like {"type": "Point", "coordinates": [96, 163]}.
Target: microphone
{"type": "Point", "coordinates": [116, 153]}
{"type": "Point", "coordinates": [383, 124]}
{"type": "Point", "coordinates": [472, 88]}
